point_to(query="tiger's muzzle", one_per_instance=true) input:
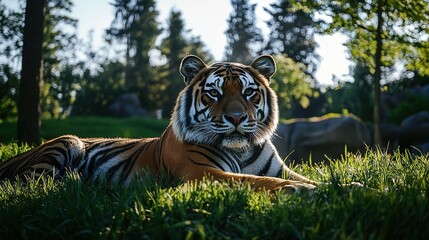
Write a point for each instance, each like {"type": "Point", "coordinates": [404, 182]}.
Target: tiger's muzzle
{"type": "Point", "coordinates": [236, 117]}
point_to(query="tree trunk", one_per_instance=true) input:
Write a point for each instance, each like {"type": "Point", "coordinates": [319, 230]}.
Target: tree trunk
{"type": "Point", "coordinates": [377, 74]}
{"type": "Point", "coordinates": [31, 74]}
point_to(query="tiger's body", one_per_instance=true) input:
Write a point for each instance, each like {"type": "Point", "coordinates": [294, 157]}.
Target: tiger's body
{"type": "Point", "coordinates": [221, 126]}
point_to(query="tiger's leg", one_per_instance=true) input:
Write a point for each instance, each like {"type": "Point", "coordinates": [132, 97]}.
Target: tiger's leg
{"type": "Point", "coordinates": [255, 182]}
{"type": "Point", "coordinates": [54, 158]}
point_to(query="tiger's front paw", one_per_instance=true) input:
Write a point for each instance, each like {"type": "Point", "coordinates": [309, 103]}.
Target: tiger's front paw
{"type": "Point", "coordinates": [298, 187]}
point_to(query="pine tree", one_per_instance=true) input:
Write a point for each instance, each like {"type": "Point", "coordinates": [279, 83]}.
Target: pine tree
{"type": "Point", "coordinates": [177, 44]}
{"type": "Point", "coordinates": [172, 47]}
{"type": "Point", "coordinates": [197, 47]}
{"type": "Point", "coordinates": [135, 24]}
{"type": "Point", "coordinates": [59, 47]}
{"type": "Point", "coordinates": [292, 34]}
{"type": "Point", "coordinates": [243, 36]}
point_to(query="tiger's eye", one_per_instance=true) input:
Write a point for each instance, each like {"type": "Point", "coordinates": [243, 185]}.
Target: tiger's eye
{"type": "Point", "coordinates": [248, 91]}
{"type": "Point", "coordinates": [214, 93]}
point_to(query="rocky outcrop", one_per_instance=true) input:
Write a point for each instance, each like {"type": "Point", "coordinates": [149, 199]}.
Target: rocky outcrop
{"type": "Point", "coordinates": [127, 105]}
{"type": "Point", "coordinates": [319, 138]}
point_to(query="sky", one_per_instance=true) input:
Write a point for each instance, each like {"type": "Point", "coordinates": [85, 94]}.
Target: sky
{"type": "Point", "coordinates": [207, 19]}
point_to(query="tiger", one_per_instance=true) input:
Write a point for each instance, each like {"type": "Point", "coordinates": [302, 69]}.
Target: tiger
{"type": "Point", "coordinates": [221, 127]}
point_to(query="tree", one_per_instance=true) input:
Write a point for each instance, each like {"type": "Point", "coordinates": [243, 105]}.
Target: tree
{"type": "Point", "coordinates": [242, 34]}
{"type": "Point", "coordinates": [351, 97]}
{"type": "Point", "coordinates": [99, 89]}
{"type": "Point", "coordinates": [9, 83]}
{"type": "Point", "coordinates": [397, 24]}
{"type": "Point", "coordinates": [11, 30]}
{"type": "Point", "coordinates": [177, 44]}
{"type": "Point", "coordinates": [292, 33]}
{"type": "Point", "coordinates": [59, 47]}
{"type": "Point", "coordinates": [31, 74]}
{"type": "Point", "coordinates": [172, 47]}
{"type": "Point", "coordinates": [292, 85]}
{"type": "Point", "coordinates": [197, 47]}
{"type": "Point", "coordinates": [135, 24]}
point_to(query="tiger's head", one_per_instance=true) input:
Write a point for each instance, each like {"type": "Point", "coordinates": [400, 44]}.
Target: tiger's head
{"type": "Point", "coordinates": [226, 105]}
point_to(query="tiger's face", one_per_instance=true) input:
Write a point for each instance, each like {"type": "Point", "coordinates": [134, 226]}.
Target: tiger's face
{"type": "Point", "coordinates": [227, 105]}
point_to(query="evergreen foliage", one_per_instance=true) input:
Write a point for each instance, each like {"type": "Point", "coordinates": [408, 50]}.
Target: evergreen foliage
{"type": "Point", "coordinates": [292, 34]}
{"type": "Point", "coordinates": [174, 47]}
{"type": "Point", "coordinates": [135, 24]}
{"type": "Point", "coordinates": [243, 36]}
{"type": "Point", "coordinates": [59, 48]}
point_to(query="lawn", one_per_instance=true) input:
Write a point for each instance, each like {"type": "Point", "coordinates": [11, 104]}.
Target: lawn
{"type": "Point", "coordinates": [393, 205]}
{"type": "Point", "coordinates": [91, 127]}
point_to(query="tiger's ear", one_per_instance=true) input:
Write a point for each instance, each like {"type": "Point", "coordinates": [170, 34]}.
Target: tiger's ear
{"type": "Point", "coordinates": [265, 65]}
{"type": "Point", "coordinates": [190, 66]}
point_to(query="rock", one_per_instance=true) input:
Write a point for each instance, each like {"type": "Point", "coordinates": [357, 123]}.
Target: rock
{"type": "Point", "coordinates": [318, 138]}
{"type": "Point", "coordinates": [127, 105]}
{"type": "Point", "coordinates": [418, 120]}
{"type": "Point", "coordinates": [415, 133]}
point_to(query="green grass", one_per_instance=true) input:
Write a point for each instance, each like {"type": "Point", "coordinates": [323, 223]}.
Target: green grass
{"type": "Point", "coordinates": [91, 127]}
{"type": "Point", "coordinates": [395, 205]}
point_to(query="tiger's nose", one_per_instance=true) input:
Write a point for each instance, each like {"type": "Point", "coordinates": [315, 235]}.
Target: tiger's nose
{"type": "Point", "coordinates": [236, 117]}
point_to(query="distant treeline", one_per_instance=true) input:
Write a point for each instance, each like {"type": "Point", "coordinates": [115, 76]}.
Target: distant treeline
{"type": "Point", "coordinates": [141, 57]}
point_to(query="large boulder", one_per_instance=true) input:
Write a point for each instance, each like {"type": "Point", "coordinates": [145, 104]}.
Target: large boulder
{"type": "Point", "coordinates": [127, 105]}
{"type": "Point", "coordinates": [319, 138]}
{"type": "Point", "coordinates": [413, 134]}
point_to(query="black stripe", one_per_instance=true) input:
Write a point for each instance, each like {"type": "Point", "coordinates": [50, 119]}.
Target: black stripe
{"type": "Point", "coordinates": [267, 166]}
{"type": "Point", "coordinates": [51, 160]}
{"type": "Point", "coordinates": [101, 143]}
{"type": "Point", "coordinates": [188, 104]}
{"type": "Point", "coordinates": [105, 155]}
{"type": "Point", "coordinates": [12, 167]}
{"type": "Point", "coordinates": [280, 173]}
{"type": "Point", "coordinates": [254, 157]}
{"type": "Point", "coordinates": [160, 145]}
{"type": "Point", "coordinates": [114, 152]}
{"type": "Point", "coordinates": [210, 159]}
{"type": "Point", "coordinates": [97, 146]}
{"type": "Point", "coordinates": [235, 167]}
{"type": "Point", "coordinates": [197, 163]}
{"type": "Point", "coordinates": [60, 152]}
{"type": "Point", "coordinates": [78, 160]}
{"type": "Point", "coordinates": [131, 161]}
{"type": "Point", "coordinates": [270, 109]}
{"type": "Point", "coordinates": [113, 170]}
